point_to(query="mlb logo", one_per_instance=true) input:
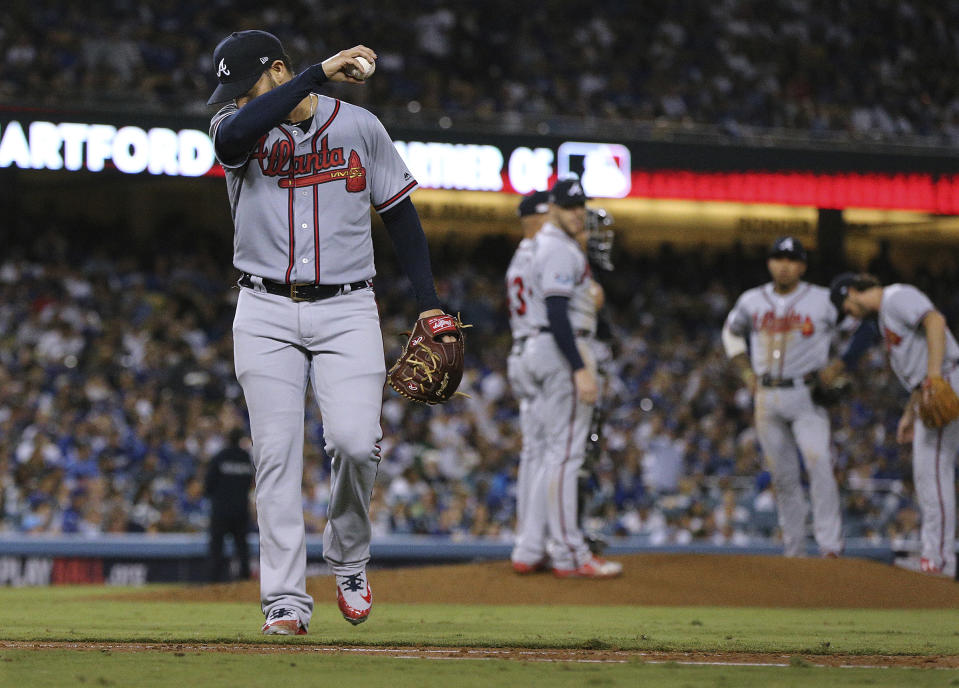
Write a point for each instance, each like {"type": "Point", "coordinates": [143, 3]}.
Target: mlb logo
{"type": "Point", "coordinates": [604, 169]}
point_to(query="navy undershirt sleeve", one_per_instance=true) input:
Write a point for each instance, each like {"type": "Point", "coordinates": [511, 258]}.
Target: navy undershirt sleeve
{"type": "Point", "coordinates": [862, 339]}
{"type": "Point", "coordinates": [403, 223]}
{"type": "Point", "coordinates": [239, 132]}
{"type": "Point", "coordinates": [556, 313]}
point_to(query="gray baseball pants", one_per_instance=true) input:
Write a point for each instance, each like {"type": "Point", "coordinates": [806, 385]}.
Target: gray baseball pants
{"type": "Point", "coordinates": [530, 528]}
{"type": "Point", "coordinates": [934, 474]}
{"type": "Point", "coordinates": [279, 347]}
{"type": "Point", "coordinates": [788, 422]}
{"type": "Point", "coordinates": [563, 422]}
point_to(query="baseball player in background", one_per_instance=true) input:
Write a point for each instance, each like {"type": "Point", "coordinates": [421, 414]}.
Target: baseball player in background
{"type": "Point", "coordinates": [302, 171]}
{"type": "Point", "coordinates": [921, 349]}
{"type": "Point", "coordinates": [519, 279]}
{"type": "Point", "coordinates": [562, 312]}
{"type": "Point", "coordinates": [790, 326]}
{"type": "Point", "coordinates": [598, 244]}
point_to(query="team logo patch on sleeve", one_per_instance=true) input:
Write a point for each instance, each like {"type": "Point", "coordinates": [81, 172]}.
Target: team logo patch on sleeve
{"type": "Point", "coordinates": [892, 339]}
{"type": "Point", "coordinates": [356, 174]}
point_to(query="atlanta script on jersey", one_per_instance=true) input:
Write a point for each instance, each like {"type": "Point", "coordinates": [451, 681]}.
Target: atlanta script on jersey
{"type": "Point", "coordinates": [789, 335]}
{"type": "Point", "coordinates": [330, 174]}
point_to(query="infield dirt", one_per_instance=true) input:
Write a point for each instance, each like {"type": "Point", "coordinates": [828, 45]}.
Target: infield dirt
{"type": "Point", "coordinates": [648, 579]}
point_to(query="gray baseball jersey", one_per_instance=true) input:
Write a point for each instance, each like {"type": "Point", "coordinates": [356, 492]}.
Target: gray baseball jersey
{"type": "Point", "coordinates": [560, 420]}
{"type": "Point", "coordinates": [519, 282]}
{"type": "Point", "coordinates": [301, 209]}
{"type": "Point", "coordinates": [901, 311]}
{"type": "Point", "coordinates": [312, 231]}
{"type": "Point", "coordinates": [560, 268]}
{"type": "Point", "coordinates": [900, 315]}
{"type": "Point", "coordinates": [789, 335]}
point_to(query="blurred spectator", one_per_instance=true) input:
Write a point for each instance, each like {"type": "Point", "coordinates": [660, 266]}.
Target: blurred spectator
{"type": "Point", "coordinates": [869, 71]}
{"type": "Point", "coordinates": [119, 440]}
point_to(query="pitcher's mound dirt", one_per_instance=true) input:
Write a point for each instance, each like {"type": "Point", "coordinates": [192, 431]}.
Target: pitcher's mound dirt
{"type": "Point", "coordinates": [648, 579]}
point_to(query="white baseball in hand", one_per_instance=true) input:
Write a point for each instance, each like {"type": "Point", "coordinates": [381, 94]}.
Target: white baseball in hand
{"type": "Point", "coordinates": [368, 69]}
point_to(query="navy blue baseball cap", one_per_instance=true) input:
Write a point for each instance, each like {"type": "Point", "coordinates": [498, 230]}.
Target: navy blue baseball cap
{"type": "Point", "coordinates": [240, 59]}
{"type": "Point", "coordinates": [568, 193]}
{"type": "Point", "coordinates": [839, 288]}
{"type": "Point", "coordinates": [788, 247]}
{"type": "Point", "coordinates": [535, 203]}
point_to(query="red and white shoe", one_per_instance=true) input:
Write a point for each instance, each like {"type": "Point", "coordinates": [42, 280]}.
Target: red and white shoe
{"type": "Point", "coordinates": [594, 568]}
{"type": "Point", "coordinates": [355, 597]}
{"type": "Point", "coordinates": [927, 566]}
{"type": "Point", "coordinates": [523, 569]}
{"type": "Point", "coordinates": [283, 621]}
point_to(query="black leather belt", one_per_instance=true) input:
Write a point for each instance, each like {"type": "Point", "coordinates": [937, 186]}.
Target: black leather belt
{"type": "Point", "coordinates": [302, 292]}
{"type": "Point", "coordinates": [576, 333]}
{"type": "Point", "coordinates": [768, 380]}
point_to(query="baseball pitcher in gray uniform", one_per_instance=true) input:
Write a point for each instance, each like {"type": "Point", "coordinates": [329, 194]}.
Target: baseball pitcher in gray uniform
{"type": "Point", "coordinates": [562, 313]}
{"type": "Point", "coordinates": [302, 170]}
{"type": "Point", "coordinates": [790, 326]}
{"type": "Point", "coordinates": [519, 280]}
{"type": "Point", "coordinates": [920, 347]}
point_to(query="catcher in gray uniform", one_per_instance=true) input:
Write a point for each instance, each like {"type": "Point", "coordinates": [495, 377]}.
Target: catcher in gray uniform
{"type": "Point", "coordinates": [302, 170]}
{"type": "Point", "coordinates": [924, 355]}
{"type": "Point", "coordinates": [790, 325]}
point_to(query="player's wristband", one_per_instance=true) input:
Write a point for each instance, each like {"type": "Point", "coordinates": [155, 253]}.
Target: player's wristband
{"type": "Point", "coordinates": [238, 133]}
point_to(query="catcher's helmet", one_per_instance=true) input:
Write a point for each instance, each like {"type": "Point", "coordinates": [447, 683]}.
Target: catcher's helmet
{"type": "Point", "coordinates": [599, 238]}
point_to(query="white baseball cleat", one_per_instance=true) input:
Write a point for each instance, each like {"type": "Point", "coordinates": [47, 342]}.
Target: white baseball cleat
{"type": "Point", "coordinates": [283, 621]}
{"type": "Point", "coordinates": [354, 597]}
{"type": "Point", "coordinates": [594, 568]}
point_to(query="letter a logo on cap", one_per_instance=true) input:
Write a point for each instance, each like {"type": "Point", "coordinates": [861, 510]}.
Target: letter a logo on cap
{"type": "Point", "coordinates": [787, 244]}
{"type": "Point", "coordinates": [222, 69]}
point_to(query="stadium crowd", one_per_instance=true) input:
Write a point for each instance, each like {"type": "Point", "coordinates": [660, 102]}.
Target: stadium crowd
{"type": "Point", "coordinates": [117, 386]}
{"type": "Point", "coordinates": [870, 71]}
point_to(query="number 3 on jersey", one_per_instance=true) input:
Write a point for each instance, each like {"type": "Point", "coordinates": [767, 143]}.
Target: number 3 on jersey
{"type": "Point", "coordinates": [514, 295]}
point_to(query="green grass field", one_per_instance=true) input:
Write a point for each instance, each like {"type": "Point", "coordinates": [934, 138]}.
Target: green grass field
{"type": "Point", "coordinates": [148, 670]}
{"type": "Point", "coordinates": [100, 621]}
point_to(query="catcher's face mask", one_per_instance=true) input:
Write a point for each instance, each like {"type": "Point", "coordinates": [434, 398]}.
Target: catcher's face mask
{"type": "Point", "coordinates": [599, 238]}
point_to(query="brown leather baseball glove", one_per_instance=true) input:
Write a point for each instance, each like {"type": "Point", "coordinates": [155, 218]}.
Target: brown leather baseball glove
{"type": "Point", "coordinates": [938, 403]}
{"type": "Point", "coordinates": [429, 370]}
